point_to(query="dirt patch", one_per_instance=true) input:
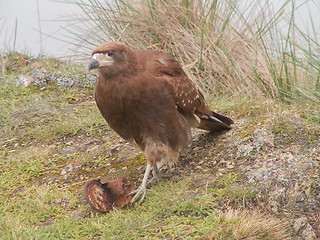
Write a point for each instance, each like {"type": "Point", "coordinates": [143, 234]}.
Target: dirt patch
{"type": "Point", "coordinates": [277, 156]}
{"type": "Point", "coordinates": [284, 175]}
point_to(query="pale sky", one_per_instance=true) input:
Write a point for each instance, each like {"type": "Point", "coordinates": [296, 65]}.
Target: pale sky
{"type": "Point", "coordinates": [53, 15]}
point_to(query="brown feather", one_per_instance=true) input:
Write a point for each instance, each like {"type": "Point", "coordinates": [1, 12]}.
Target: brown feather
{"type": "Point", "coordinates": [148, 99]}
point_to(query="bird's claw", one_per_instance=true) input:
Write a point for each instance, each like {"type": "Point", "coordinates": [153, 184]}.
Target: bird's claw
{"type": "Point", "coordinates": [140, 193]}
{"type": "Point", "coordinates": [153, 181]}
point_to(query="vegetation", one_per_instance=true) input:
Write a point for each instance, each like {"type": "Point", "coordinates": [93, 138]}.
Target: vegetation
{"type": "Point", "coordinates": [223, 48]}
{"type": "Point", "coordinates": [53, 138]}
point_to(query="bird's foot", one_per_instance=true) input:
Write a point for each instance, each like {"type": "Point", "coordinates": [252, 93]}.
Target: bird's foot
{"type": "Point", "coordinates": [154, 180]}
{"type": "Point", "coordinates": [157, 177]}
{"type": "Point", "coordinates": [139, 194]}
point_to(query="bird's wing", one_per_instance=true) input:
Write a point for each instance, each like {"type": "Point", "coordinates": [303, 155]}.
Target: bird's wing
{"type": "Point", "coordinates": [188, 98]}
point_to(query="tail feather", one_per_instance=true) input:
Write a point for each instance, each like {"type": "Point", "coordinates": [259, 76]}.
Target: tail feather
{"type": "Point", "coordinates": [216, 122]}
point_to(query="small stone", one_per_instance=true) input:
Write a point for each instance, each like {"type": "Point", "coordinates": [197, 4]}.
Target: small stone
{"type": "Point", "coordinates": [67, 169]}
{"type": "Point", "coordinates": [93, 149]}
{"type": "Point", "coordinates": [79, 215]}
{"type": "Point", "coordinates": [263, 137]}
{"type": "Point", "coordinates": [24, 81]}
{"type": "Point", "coordinates": [308, 233]}
{"type": "Point", "coordinates": [299, 224]}
{"type": "Point", "coordinates": [304, 229]}
{"type": "Point", "coordinates": [301, 197]}
{"type": "Point", "coordinates": [273, 206]}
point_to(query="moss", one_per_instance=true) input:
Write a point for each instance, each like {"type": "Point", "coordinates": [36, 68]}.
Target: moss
{"type": "Point", "coordinates": [54, 140]}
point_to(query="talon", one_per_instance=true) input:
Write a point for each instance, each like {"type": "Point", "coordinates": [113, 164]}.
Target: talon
{"type": "Point", "coordinates": [142, 189]}
{"type": "Point", "coordinates": [139, 193]}
{"type": "Point", "coordinates": [153, 181]}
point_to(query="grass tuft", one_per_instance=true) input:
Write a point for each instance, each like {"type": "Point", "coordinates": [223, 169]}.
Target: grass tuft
{"type": "Point", "coordinates": [223, 48]}
{"type": "Point", "coordinates": [235, 224]}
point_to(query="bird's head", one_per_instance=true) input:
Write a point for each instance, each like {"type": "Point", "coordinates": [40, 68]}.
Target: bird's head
{"type": "Point", "coordinates": [110, 58]}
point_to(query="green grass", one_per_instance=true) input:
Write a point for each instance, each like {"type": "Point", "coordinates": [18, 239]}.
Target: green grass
{"type": "Point", "coordinates": [240, 65]}
{"type": "Point", "coordinates": [48, 211]}
{"type": "Point", "coordinates": [42, 178]}
{"type": "Point", "coordinates": [45, 119]}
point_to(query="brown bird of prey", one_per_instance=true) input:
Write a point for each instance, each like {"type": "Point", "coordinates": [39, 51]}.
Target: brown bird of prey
{"type": "Point", "coordinates": [147, 98]}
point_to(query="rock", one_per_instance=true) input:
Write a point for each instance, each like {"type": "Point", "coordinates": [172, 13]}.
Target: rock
{"type": "Point", "coordinates": [301, 197]}
{"type": "Point", "coordinates": [39, 77]}
{"type": "Point", "coordinates": [24, 81]}
{"type": "Point", "coordinates": [93, 149]}
{"type": "Point", "coordinates": [260, 139]}
{"type": "Point", "coordinates": [282, 173]}
{"type": "Point", "coordinates": [79, 215]}
{"type": "Point", "coordinates": [245, 150]}
{"type": "Point", "coordinates": [303, 229]}
{"type": "Point", "coordinates": [263, 137]}
{"type": "Point", "coordinates": [67, 151]}
{"type": "Point", "coordinates": [67, 169]}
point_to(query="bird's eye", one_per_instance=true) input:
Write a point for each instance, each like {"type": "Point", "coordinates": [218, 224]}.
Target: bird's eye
{"type": "Point", "coordinates": [110, 53]}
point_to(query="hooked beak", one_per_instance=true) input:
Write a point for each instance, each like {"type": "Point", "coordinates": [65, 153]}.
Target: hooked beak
{"type": "Point", "coordinates": [93, 64]}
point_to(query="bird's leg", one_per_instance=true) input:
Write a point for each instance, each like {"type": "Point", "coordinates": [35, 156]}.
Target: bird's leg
{"type": "Point", "coordinates": [155, 172]}
{"type": "Point", "coordinates": [156, 176]}
{"type": "Point", "coordinates": [142, 189]}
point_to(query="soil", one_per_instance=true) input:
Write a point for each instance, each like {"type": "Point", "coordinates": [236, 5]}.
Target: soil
{"type": "Point", "coordinates": [281, 168]}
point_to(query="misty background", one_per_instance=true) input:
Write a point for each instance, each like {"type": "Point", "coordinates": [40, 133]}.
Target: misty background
{"type": "Point", "coordinates": [42, 27]}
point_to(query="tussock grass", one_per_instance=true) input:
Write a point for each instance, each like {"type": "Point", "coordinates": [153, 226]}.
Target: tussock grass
{"type": "Point", "coordinates": [235, 224]}
{"type": "Point", "coordinates": [224, 52]}
{"type": "Point", "coordinates": [42, 179]}
{"type": "Point", "coordinates": [223, 48]}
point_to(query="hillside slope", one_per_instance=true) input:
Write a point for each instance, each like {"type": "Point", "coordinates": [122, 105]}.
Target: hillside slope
{"type": "Point", "coordinates": [258, 180]}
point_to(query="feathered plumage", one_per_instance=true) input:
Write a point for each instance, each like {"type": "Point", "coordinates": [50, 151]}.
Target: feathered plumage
{"type": "Point", "coordinates": [147, 98]}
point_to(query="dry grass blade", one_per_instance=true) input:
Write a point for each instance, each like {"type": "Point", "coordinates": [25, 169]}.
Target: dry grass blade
{"type": "Point", "coordinates": [221, 48]}
{"type": "Point", "coordinates": [237, 224]}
